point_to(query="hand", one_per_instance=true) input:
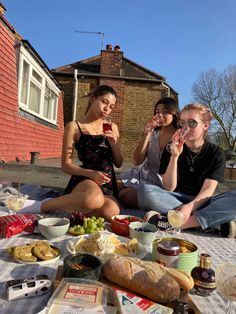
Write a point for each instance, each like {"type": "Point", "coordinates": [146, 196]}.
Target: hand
{"type": "Point", "coordinates": [100, 177]}
{"type": "Point", "coordinates": [111, 137]}
{"type": "Point", "coordinates": [186, 210]}
{"type": "Point", "coordinates": [177, 144]}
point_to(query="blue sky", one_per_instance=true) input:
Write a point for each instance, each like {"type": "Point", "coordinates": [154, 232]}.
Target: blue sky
{"type": "Point", "coordinates": [178, 39]}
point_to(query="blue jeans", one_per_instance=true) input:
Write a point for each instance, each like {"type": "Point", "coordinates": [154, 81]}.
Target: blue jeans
{"type": "Point", "coordinates": [217, 210]}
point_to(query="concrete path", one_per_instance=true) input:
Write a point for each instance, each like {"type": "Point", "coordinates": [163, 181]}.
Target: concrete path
{"type": "Point", "coordinates": [47, 172]}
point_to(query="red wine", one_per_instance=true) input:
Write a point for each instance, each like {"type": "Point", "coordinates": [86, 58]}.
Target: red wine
{"type": "Point", "coordinates": [106, 127]}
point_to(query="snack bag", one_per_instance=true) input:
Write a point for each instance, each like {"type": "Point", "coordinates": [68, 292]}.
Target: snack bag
{"type": "Point", "coordinates": [13, 225]}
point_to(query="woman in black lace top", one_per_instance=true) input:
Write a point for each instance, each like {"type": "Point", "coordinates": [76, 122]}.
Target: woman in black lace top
{"type": "Point", "coordinates": [92, 188]}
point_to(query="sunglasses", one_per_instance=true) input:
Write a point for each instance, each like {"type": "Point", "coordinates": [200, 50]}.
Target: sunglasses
{"type": "Point", "coordinates": [190, 123]}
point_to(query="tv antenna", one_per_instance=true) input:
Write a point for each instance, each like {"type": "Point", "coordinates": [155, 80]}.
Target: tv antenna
{"type": "Point", "coordinates": [93, 33]}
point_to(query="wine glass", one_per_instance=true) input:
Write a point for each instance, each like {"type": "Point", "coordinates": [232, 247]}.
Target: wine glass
{"type": "Point", "coordinates": [175, 219]}
{"type": "Point", "coordinates": [106, 126]}
{"type": "Point", "coordinates": [179, 135]}
{"type": "Point", "coordinates": [154, 122]}
{"type": "Point", "coordinates": [15, 202]}
{"type": "Point", "coordinates": [225, 276]}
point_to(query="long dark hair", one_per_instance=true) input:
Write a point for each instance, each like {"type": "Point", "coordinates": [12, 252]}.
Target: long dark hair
{"type": "Point", "coordinates": [100, 91]}
{"type": "Point", "coordinates": [171, 105]}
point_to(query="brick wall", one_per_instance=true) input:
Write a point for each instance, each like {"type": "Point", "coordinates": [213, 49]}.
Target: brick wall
{"type": "Point", "coordinates": [139, 101]}
{"type": "Point", "coordinates": [19, 135]}
{"type": "Point", "coordinates": [111, 62]}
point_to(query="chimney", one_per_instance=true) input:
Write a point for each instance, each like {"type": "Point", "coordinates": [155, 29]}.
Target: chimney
{"type": "Point", "coordinates": [117, 48]}
{"type": "Point", "coordinates": [111, 61]}
{"type": "Point", "coordinates": [2, 9]}
{"type": "Point", "coordinates": [109, 47]}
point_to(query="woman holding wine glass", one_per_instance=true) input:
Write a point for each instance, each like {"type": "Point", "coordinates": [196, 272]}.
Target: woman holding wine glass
{"type": "Point", "coordinates": [190, 174]}
{"type": "Point", "coordinates": [92, 188]}
{"type": "Point", "coordinates": [157, 133]}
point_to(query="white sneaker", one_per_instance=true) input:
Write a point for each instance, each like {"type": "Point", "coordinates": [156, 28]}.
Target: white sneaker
{"type": "Point", "coordinates": [232, 229]}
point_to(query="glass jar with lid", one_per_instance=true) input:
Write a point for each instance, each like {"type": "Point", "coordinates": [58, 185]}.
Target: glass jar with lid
{"type": "Point", "coordinates": [168, 253]}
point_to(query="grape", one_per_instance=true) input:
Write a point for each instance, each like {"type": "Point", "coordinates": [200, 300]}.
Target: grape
{"type": "Point", "coordinates": [87, 224]}
{"type": "Point", "coordinates": [76, 218]}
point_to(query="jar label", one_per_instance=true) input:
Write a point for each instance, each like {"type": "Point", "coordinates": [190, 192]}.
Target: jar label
{"type": "Point", "coordinates": [167, 260]}
{"type": "Point", "coordinates": [202, 284]}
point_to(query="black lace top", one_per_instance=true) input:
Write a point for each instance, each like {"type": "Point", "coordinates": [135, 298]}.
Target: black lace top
{"type": "Point", "coordinates": [94, 157]}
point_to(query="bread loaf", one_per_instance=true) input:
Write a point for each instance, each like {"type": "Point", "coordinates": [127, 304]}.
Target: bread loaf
{"type": "Point", "coordinates": [147, 278]}
{"type": "Point", "coordinates": [184, 279]}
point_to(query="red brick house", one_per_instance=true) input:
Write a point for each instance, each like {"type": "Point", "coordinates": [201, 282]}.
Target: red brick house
{"type": "Point", "coordinates": [31, 105]}
{"type": "Point", "coordinates": [138, 90]}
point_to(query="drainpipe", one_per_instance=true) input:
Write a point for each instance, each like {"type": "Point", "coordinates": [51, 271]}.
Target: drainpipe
{"type": "Point", "coordinates": [75, 94]}
{"type": "Point", "coordinates": [167, 87]}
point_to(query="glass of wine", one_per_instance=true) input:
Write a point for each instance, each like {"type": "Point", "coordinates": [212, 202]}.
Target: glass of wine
{"type": "Point", "coordinates": [15, 202]}
{"type": "Point", "coordinates": [226, 284]}
{"type": "Point", "coordinates": [107, 126]}
{"type": "Point", "coordinates": [154, 122]}
{"type": "Point", "coordinates": [175, 219]}
{"type": "Point", "coordinates": [180, 135]}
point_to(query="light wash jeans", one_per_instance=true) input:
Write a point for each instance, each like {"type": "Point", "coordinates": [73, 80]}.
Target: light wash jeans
{"type": "Point", "coordinates": [217, 210]}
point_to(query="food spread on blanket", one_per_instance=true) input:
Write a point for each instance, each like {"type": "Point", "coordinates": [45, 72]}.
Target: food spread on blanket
{"type": "Point", "coordinates": [34, 251]}
{"type": "Point", "coordinates": [103, 244]}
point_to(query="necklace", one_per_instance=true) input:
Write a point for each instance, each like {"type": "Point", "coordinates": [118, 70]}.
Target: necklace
{"type": "Point", "coordinates": [191, 166]}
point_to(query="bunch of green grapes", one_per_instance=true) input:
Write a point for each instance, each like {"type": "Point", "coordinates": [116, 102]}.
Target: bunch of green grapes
{"type": "Point", "coordinates": [90, 225]}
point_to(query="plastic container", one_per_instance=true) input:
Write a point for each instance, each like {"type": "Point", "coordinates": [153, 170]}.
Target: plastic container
{"type": "Point", "coordinates": [74, 295]}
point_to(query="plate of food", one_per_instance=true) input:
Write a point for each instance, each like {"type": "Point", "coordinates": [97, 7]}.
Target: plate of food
{"type": "Point", "coordinates": [106, 244]}
{"type": "Point", "coordinates": [80, 224]}
{"type": "Point", "coordinates": [36, 252]}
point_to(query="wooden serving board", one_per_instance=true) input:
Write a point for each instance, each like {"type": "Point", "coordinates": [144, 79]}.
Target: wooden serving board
{"type": "Point", "coordinates": [193, 309]}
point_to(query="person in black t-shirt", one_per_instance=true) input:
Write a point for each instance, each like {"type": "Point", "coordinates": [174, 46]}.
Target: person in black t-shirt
{"type": "Point", "coordinates": [190, 174]}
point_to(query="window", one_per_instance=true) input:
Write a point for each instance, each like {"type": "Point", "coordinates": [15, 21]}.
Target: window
{"type": "Point", "coordinates": [38, 94]}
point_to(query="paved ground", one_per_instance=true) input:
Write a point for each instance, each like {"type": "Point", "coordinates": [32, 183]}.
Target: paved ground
{"type": "Point", "coordinates": [47, 172]}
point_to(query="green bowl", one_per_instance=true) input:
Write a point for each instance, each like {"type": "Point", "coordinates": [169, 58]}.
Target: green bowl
{"type": "Point", "coordinates": [188, 258]}
{"type": "Point", "coordinates": [92, 264]}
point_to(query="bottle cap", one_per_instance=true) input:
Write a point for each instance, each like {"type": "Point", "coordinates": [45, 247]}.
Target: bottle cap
{"type": "Point", "coordinates": [205, 260]}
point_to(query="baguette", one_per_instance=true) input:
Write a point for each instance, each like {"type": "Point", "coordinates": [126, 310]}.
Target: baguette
{"type": "Point", "coordinates": [184, 279]}
{"type": "Point", "coordinates": [146, 278]}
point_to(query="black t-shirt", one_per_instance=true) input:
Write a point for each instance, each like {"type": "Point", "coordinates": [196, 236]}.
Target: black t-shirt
{"type": "Point", "coordinates": [208, 164]}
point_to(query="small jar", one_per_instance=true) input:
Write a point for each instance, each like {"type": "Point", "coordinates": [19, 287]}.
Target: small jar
{"type": "Point", "coordinates": [168, 253]}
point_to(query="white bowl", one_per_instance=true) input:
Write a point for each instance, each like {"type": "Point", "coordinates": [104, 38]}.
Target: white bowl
{"type": "Point", "coordinates": [53, 227]}
{"type": "Point", "coordinates": [145, 237]}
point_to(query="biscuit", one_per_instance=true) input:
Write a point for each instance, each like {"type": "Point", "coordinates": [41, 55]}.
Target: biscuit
{"type": "Point", "coordinates": [45, 253]}
{"type": "Point", "coordinates": [24, 253]}
{"type": "Point", "coordinates": [35, 251]}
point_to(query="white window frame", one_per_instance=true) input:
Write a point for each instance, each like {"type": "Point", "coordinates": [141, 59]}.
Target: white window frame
{"type": "Point", "coordinates": [24, 55]}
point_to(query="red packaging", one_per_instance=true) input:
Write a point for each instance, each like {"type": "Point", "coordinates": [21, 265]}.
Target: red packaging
{"type": "Point", "coordinates": [13, 225]}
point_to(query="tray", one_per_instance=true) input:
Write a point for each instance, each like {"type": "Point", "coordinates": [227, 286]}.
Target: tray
{"type": "Point", "coordinates": [193, 309]}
